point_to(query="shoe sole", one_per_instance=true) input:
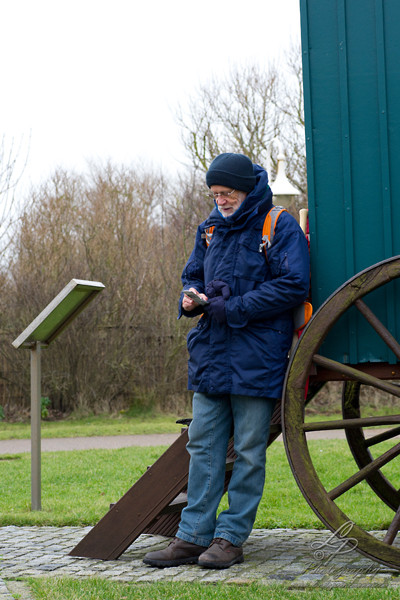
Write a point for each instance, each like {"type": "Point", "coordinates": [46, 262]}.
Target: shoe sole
{"type": "Point", "coordinates": [162, 564]}
{"type": "Point", "coordinates": [223, 565]}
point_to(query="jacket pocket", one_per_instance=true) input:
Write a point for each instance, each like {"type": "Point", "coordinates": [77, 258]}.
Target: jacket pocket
{"type": "Point", "coordinates": [279, 263]}
{"type": "Point", "coordinates": [250, 263]}
{"type": "Point", "coordinates": [196, 333]}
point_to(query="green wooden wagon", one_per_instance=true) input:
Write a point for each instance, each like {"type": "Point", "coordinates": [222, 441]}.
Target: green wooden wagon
{"type": "Point", "coordinates": [351, 64]}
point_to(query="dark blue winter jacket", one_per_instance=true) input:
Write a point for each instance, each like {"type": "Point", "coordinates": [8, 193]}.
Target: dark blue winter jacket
{"type": "Point", "coordinates": [247, 355]}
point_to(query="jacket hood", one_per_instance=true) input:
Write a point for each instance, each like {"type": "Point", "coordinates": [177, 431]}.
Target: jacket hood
{"type": "Point", "coordinates": [258, 200]}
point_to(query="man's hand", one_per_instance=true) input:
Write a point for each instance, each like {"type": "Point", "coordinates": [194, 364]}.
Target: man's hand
{"type": "Point", "coordinates": [216, 287]}
{"type": "Point", "coordinates": [188, 304]}
{"type": "Point", "coordinates": [216, 309]}
{"type": "Point", "coordinates": [218, 291]}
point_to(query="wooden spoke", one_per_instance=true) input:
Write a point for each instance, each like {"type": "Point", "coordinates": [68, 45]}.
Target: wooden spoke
{"type": "Point", "coordinates": [365, 472]}
{"type": "Point", "coordinates": [382, 437]}
{"type": "Point", "coordinates": [393, 529]}
{"type": "Point", "coordinates": [379, 327]}
{"type": "Point", "coordinates": [352, 423]}
{"type": "Point", "coordinates": [357, 375]}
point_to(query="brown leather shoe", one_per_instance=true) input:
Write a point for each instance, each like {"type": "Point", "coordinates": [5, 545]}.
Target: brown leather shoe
{"type": "Point", "coordinates": [221, 554]}
{"type": "Point", "coordinates": [178, 552]}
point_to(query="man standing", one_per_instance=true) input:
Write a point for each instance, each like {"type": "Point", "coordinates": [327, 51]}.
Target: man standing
{"type": "Point", "coordinates": [238, 357]}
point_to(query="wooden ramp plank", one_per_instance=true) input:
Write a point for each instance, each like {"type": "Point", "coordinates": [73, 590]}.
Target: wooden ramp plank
{"type": "Point", "coordinates": [129, 517]}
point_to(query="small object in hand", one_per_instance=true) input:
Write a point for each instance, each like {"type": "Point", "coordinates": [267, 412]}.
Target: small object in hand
{"type": "Point", "coordinates": [195, 297]}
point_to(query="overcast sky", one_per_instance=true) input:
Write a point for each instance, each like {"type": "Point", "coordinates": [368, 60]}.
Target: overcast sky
{"type": "Point", "coordinates": [97, 79]}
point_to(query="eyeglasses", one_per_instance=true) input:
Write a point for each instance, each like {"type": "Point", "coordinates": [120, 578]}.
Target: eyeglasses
{"type": "Point", "coordinates": [214, 196]}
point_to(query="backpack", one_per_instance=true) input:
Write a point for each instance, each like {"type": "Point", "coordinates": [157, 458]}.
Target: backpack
{"type": "Point", "coordinates": [302, 313]}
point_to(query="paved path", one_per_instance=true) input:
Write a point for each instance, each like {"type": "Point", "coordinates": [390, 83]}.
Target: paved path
{"type": "Point", "coordinates": [295, 558]}
{"type": "Point", "coordinates": [124, 441]}
{"type": "Point", "coordinates": [87, 443]}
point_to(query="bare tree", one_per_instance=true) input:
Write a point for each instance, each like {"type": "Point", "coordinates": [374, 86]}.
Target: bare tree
{"type": "Point", "coordinates": [12, 165]}
{"type": "Point", "coordinates": [244, 112]}
{"type": "Point", "coordinates": [237, 114]}
{"type": "Point", "coordinates": [291, 105]}
{"type": "Point", "coordinates": [127, 347]}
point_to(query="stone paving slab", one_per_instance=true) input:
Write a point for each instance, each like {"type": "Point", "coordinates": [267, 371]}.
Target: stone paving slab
{"type": "Point", "coordinates": [272, 556]}
{"type": "Point", "coordinates": [4, 593]}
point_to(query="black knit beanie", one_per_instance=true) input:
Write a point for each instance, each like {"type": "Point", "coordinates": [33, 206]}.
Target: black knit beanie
{"type": "Point", "coordinates": [232, 170]}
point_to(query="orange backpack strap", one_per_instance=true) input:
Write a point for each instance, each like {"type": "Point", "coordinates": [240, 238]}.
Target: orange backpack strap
{"type": "Point", "coordinates": [268, 231]}
{"type": "Point", "coordinates": [207, 235]}
{"type": "Point", "coordinates": [302, 313]}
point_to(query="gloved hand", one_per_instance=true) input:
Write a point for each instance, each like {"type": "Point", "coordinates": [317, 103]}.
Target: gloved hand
{"type": "Point", "coordinates": [216, 308]}
{"type": "Point", "coordinates": [216, 287]}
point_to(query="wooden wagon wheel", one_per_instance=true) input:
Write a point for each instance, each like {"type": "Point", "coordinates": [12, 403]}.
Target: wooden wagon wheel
{"type": "Point", "coordinates": [325, 503]}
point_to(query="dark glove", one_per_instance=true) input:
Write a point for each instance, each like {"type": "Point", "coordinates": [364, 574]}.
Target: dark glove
{"type": "Point", "coordinates": [216, 308]}
{"type": "Point", "coordinates": [216, 287]}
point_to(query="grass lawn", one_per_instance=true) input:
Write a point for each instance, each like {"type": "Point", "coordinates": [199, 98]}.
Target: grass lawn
{"type": "Point", "coordinates": [96, 589]}
{"type": "Point", "coordinates": [118, 424]}
{"type": "Point", "coordinates": [133, 422]}
{"type": "Point", "coordinates": [78, 486]}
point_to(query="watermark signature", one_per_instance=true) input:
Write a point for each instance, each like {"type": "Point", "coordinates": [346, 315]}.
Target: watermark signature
{"type": "Point", "coordinates": [350, 573]}
{"type": "Point", "coordinates": [336, 544]}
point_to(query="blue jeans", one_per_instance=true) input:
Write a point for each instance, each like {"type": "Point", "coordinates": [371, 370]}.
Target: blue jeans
{"type": "Point", "coordinates": [209, 433]}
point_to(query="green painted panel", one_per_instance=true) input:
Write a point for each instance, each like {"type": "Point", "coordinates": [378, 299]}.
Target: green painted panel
{"type": "Point", "coordinates": [351, 64]}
